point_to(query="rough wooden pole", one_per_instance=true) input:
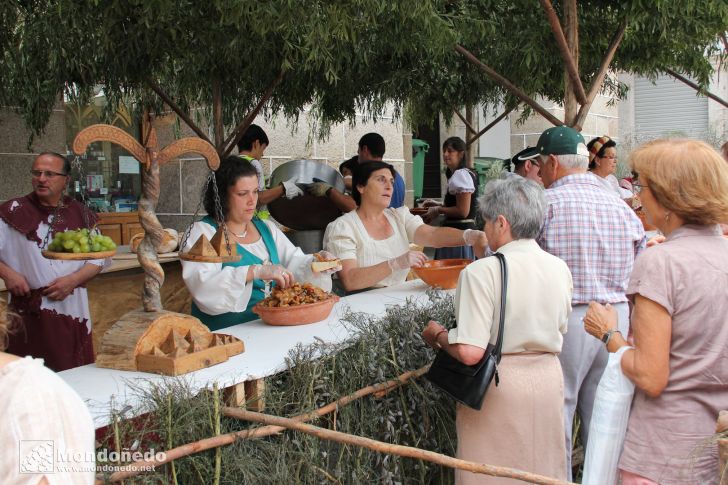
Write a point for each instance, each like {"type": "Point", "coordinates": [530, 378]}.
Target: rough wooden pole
{"type": "Point", "coordinates": [510, 87]}
{"type": "Point", "coordinates": [696, 87]}
{"type": "Point", "coordinates": [399, 450]}
{"type": "Point", "coordinates": [599, 78]}
{"type": "Point", "coordinates": [217, 114]}
{"type": "Point", "coordinates": [153, 230]}
{"type": "Point", "coordinates": [466, 121]}
{"type": "Point", "coordinates": [571, 23]}
{"type": "Point", "coordinates": [378, 390]}
{"type": "Point", "coordinates": [565, 50]}
{"type": "Point", "coordinates": [239, 130]}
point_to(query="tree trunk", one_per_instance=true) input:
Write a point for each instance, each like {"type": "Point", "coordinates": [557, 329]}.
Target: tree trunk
{"type": "Point", "coordinates": [571, 31]}
{"type": "Point", "coordinates": [470, 133]}
{"type": "Point", "coordinates": [696, 87]}
{"type": "Point", "coordinates": [217, 115]}
{"type": "Point", "coordinates": [235, 136]}
{"type": "Point", "coordinates": [507, 85]}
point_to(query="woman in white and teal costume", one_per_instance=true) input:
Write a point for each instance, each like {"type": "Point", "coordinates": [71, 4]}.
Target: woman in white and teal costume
{"type": "Point", "coordinates": [223, 294]}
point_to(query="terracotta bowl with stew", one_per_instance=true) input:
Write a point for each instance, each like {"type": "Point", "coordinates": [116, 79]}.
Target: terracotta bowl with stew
{"type": "Point", "coordinates": [298, 314]}
{"type": "Point", "coordinates": [442, 273]}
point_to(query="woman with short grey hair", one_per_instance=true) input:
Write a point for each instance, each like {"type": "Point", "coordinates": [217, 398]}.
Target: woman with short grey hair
{"type": "Point", "coordinates": [521, 201]}
{"type": "Point", "coordinates": [521, 422]}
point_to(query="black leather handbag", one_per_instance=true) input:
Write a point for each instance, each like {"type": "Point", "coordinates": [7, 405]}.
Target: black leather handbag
{"type": "Point", "coordinates": [465, 383]}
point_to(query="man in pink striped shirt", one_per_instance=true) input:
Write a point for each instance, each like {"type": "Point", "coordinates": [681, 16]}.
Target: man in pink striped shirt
{"type": "Point", "coordinates": [598, 236]}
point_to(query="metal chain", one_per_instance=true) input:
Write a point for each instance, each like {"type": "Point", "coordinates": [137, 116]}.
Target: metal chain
{"type": "Point", "coordinates": [188, 229]}
{"type": "Point", "coordinates": [219, 214]}
{"type": "Point", "coordinates": [211, 179]}
{"type": "Point", "coordinates": [56, 217]}
{"type": "Point", "coordinates": [79, 166]}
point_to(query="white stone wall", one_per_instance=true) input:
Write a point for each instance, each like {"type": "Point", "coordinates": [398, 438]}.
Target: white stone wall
{"type": "Point", "coordinates": [291, 143]}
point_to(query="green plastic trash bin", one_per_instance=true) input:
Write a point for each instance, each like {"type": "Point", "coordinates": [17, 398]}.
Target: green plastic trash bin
{"type": "Point", "coordinates": [482, 165]}
{"type": "Point", "coordinates": [419, 149]}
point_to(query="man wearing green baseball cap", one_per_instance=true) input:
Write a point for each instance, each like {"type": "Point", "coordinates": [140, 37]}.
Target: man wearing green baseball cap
{"type": "Point", "coordinates": [561, 140]}
{"type": "Point", "coordinates": [598, 236]}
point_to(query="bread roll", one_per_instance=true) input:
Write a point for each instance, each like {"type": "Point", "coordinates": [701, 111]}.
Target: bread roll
{"type": "Point", "coordinates": [170, 240]}
{"type": "Point", "coordinates": [318, 266]}
{"type": "Point", "coordinates": [135, 240]}
{"type": "Point", "coordinates": [322, 264]}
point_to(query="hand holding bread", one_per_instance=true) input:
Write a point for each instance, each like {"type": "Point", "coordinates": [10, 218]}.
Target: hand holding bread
{"type": "Point", "coordinates": [325, 262]}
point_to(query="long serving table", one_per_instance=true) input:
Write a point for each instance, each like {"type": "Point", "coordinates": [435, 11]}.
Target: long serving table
{"type": "Point", "coordinates": [266, 348]}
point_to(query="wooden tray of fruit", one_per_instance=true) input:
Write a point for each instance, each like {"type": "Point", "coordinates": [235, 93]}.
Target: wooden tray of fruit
{"type": "Point", "coordinates": [79, 256]}
{"type": "Point", "coordinates": [80, 244]}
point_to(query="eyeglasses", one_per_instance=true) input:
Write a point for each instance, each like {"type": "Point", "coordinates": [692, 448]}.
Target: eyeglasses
{"type": "Point", "coordinates": [637, 188]}
{"type": "Point", "coordinates": [48, 174]}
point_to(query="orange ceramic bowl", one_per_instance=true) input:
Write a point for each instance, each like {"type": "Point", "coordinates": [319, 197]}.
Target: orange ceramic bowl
{"type": "Point", "coordinates": [442, 273]}
{"type": "Point", "coordinates": [296, 315]}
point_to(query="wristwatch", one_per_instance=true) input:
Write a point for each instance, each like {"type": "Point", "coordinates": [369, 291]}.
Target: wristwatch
{"type": "Point", "coordinates": [608, 336]}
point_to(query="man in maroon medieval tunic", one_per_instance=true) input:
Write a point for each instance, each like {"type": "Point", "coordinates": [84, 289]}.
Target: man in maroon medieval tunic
{"type": "Point", "coordinates": [49, 295]}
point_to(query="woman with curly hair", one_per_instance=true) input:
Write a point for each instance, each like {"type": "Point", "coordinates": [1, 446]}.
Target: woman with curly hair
{"type": "Point", "coordinates": [603, 164]}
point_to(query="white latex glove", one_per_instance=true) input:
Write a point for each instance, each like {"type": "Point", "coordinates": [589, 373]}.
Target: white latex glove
{"type": "Point", "coordinates": [273, 272]}
{"type": "Point", "coordinates": [319, 189]}
{"type": "Point", "coordinates": [432, 212]}
{"type": "Point", "coordinates": [410, 259]}
{"type": "Point", "coordinates": [472, 237]}
{"type": "Point", "coordinates": [430, 203]}
{"type": "Point", "coordinates": [291, 189]}
{"type": "Point", "coordinates": [328, 256]}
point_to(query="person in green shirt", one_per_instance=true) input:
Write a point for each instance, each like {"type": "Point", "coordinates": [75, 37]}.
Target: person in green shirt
{"type": "Point", "coordinates": [251, 147]}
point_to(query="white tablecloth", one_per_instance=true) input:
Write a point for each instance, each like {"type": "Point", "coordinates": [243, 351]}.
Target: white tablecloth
{"type": "Point", "coordinates": [266, 348]}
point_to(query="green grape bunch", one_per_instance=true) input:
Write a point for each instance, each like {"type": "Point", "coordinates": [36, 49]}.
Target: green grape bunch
{"type": "Point", "coordinates": [81, 241]}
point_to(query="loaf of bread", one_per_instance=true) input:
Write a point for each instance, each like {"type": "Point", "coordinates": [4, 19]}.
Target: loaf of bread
{"type": "Point", "coordinates": [169, 242]}
{"type": "Point", "coordinates": [321, 264]}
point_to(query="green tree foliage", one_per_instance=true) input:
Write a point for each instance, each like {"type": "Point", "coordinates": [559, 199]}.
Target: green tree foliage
{"type": "Point", "coordinates": [333, 54]}
{"type": "Point", "coordinates": [336, 56]}
{"type": "Point", "coordinates": [515, 39]}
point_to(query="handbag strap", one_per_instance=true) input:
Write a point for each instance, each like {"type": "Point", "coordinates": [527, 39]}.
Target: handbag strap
{"type": "Point", "coordinates": [504, 287]}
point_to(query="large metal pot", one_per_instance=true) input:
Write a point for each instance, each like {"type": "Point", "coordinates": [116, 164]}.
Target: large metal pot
{"type": "Point", "coordinates": [309, 241]}
{"type": "Point", "coordinates": [305, 212]}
